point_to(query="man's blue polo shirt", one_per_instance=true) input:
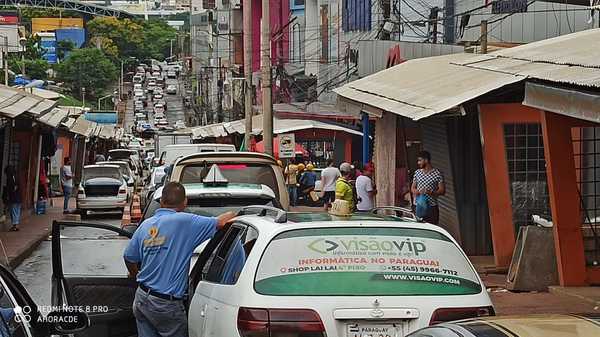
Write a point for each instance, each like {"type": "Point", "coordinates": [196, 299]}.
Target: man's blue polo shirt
{"type": "Point", "coordinates": [164, 245]}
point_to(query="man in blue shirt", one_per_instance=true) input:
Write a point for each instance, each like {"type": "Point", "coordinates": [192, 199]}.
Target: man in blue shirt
{"type": "Point", "coordinates": [159, 254]}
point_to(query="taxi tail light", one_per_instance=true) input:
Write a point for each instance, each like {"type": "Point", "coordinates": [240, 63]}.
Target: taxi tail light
{"type": "Point", "coordinates": [453, 314]}
{"type": "Point", "coordinates": [254, 322]}
{"type": "Point", "coordinates": [122, 190]}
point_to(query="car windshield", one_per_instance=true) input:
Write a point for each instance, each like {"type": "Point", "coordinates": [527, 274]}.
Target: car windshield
{"type": "Point", "coordinates": [364, 261]}
{"type": "Point", "coordinates": [234, 173]}
{"type": "Point", "coordinates": [101, 172]}
{"type": "Point", "coordinates": [213, 206]}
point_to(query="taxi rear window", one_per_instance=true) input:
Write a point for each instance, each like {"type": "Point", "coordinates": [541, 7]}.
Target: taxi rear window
{"type": "Point", "coordinates": [364, 261]}
{"type": "Point", "coordinates": [234, 173]}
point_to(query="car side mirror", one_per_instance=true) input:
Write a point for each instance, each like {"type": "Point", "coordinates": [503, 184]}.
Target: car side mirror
{"type": "Point", "coordinates": [67, 322]}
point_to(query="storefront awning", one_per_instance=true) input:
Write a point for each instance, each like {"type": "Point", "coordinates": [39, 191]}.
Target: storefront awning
{"type": "Point", "coordinates": [421, 88]}
{"type": "Point", "coordinates": [54, 117]}
{"type": "Point", "coordinates": [567, 59]}
{"type": "Point", "coordinates": [83, 127]}
{"type": "Point", "coordinates": [107, 132]}
{"type": "Point", "coordinates": [14, 102]}
{"type": "Point", "coordinates": [279, 126]}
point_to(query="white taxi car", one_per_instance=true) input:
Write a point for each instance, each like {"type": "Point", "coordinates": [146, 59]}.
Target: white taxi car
{"type": "Point", "coordinates": [312, 274]}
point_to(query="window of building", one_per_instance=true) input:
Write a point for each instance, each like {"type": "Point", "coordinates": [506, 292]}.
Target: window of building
{"type": "Point", "coordinates": [356, 15]}
{"type": "Point", "coordinates": [527, 172]}
{"type": "Point", "coordinates": [296, 4]}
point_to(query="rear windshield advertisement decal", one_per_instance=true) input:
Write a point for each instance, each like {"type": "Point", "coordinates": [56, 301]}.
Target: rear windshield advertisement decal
{"type": "Point", "coordinates": [364, 265]}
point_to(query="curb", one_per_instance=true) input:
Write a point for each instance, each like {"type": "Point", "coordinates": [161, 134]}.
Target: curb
{"type": "Point", "coordinates": [562, 291]}
{"type": "Point", "coordinates": [16, 260]}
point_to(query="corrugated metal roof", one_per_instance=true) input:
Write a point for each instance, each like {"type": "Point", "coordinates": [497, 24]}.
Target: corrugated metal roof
{"type": "Point", "coordinates": [572, 59]}
{"type": "Point", "coordinates": [107, 132]}
{"type": "Point", "coordinates": [424, 87]}
{"type": "Point", "coordinates": [15, 102]}
{"type": "Point", "coordinates": [279, 126]}
{"type": "Point", "coordinates": [54, 117]}
{"type": "Point", "coordinates": [83, 127]}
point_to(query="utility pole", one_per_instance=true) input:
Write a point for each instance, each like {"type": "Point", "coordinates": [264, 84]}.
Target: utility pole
{"type": "Point", "coordinates": [5, 59]}
{"type": "Point", "coordinates": [171, 53]}
{"type": "Point", "coordinates": [484, 36]}
{"type": "Point", "coordinates": [247, 18]}
{"type": "Point", "coordinates": [267, 104]}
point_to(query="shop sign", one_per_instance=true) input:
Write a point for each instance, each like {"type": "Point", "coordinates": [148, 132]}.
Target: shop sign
{"type": "Point", "coordinates": [287, 145]}
{"type": "Point", "coordinates": [509, 6]}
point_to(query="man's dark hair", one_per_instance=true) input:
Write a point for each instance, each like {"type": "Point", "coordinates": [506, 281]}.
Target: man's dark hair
{"type": "Point", "coordinates": [425, 155]}
{"type": "Point", "coordinates": [329, 162]}
{"type": "Point", "coordinates": [173, 194]}
{"type": "Point", "coordinates": [67, 160]}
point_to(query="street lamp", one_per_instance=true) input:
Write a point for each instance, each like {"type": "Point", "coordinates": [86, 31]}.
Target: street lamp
{"type": "Point", "coordinates": [83, 95]}
{"type": "Point", "coordinates": [101, 98]}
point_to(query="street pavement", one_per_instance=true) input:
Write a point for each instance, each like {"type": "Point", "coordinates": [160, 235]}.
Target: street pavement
{"type": "Point", "coordinates": [80, 255]}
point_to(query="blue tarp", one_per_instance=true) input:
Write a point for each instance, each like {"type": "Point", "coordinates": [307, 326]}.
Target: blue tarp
{"type": "Point", "coordinates": [104, 117]}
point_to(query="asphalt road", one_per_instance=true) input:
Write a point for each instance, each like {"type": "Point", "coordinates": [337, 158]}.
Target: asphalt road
{"type": "Point", "coordinates": [81, 255]}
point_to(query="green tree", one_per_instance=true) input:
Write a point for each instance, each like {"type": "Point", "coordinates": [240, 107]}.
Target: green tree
{"type": "Point", "coordinates": [157, 34]}
{"type": "Point", "coordinates": [63, 48]}
{"type": "Point", "coordinates": [125, 38]}
{"type": "Point", "coordinates": [119, 38]}
{"type": "Point", "coordinates": [34, 69]}
{"type": "Point", "coordinates": [87, 68]}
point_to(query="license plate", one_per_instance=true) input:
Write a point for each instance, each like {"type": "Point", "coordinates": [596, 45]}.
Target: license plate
{"type": "Point", "coordinates": [373, 330]}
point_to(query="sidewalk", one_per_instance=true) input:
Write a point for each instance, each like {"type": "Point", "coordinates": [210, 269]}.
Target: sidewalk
{"type": "Point", "coordinates": [17, 246]}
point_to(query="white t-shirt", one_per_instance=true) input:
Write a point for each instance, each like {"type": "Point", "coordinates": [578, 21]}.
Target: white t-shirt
{"type": "Point", "coordinates": [66, 171]}
{"type": "Point", "coordinates": [329, 177]}
{"type": "Point", "coordinates": [364, 185]}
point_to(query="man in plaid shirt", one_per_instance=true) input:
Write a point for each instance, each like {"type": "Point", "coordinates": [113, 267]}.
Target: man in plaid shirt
{"type": "Point", "coordinates": [430, 182]}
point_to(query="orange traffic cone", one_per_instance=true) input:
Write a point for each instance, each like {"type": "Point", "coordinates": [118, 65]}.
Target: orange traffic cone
{"type": "Point", "coordinates": [126, 220]}
{"type": "Point", "coordinates": [136, 209]}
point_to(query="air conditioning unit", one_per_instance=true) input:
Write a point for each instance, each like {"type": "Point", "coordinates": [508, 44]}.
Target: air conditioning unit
{"type": "Point", "coordinates": [235, 3]}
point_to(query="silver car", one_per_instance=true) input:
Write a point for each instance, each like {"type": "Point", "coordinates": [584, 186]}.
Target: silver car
{"type": "Point", "coordinates": [102, 188]}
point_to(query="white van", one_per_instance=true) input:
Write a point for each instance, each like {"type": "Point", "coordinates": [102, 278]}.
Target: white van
{"type": "Point", "coordinates": [172, 152]}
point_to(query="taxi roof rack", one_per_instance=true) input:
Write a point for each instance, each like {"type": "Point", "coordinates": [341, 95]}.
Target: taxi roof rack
{"type": "Point", "coordinates": [404, 212]}
{"type": "Point", "coordinates": [280, 216]}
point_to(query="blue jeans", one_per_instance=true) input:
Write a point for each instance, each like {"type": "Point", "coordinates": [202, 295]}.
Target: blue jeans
{"type": "Point", "coordinates": [293, 191]}
{"type": "Point", "coordinates": [15, 213]}
{"type": "Point", "coordinates": [67, 194]}
{"type": "Point", "coordinates": [157, 317]}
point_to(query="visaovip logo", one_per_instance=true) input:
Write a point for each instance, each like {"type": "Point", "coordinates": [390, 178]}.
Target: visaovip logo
{"type": "Point", "coordinates": [325, 246]}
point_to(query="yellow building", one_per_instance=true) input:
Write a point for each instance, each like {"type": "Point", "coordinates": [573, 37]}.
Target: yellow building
{"type": "Point", "coordinates": [50, 24]}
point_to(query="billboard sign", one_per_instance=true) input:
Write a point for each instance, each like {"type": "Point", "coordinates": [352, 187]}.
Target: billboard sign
{"type": "Point", "coordinates": [9, 18]}
{"type": "Point", "coordinates": [48, 45]}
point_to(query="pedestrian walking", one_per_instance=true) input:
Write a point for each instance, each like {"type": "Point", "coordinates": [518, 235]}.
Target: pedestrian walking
{"type": "Point", "coordinates": [329, 177]}
{"type": "Point", "coordinates": [158, 256]}
{"type": "Point", "coordinates": [11, 196]}
{"type": "Point", "coordinates": [427, 186]}
{"type": "Point", "coordinates": [66, 180]}
{"type": "Point", "coordinates": [365, 190]}
{"type": "Point", "coordinates": [343, 187]}
{"type": "Point", "coordinates": [291, 180]}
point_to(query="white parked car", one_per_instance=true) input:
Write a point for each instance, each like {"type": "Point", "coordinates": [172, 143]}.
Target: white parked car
{"type": "Point", "coordinates": [102, 187]}
{"type": "Point", "coordinates": [171, 89]}
{"type": "Point", "coordinates": [171, 74]}
{"type": "Point", "coordinates": [313, 274]}
{"type": "Point", "coordinates": [179, 125]}
{"type": "Point", "coordinates": [159, 108]}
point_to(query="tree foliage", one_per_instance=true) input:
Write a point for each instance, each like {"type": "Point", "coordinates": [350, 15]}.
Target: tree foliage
{"type": "Point", "coordinates": [34, 69]}
{"type": "Point", "coordinates": [125, 38]}
{"type": "Point", "coordinates": [87, 68]}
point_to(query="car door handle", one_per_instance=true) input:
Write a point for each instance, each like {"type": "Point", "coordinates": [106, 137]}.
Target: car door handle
{"type": "Point", "coordinates": [203, 311]}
